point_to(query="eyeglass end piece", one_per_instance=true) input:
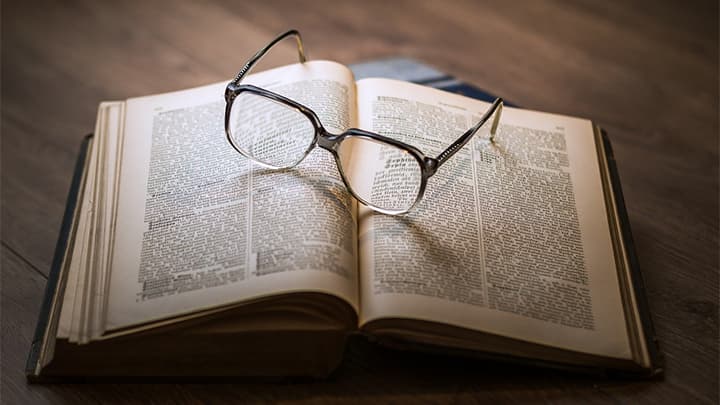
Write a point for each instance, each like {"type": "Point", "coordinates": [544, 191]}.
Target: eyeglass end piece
{"type": "Point", "coordinates": [300, 47]}
{"type": "Point", "coordinates": [496, 121]}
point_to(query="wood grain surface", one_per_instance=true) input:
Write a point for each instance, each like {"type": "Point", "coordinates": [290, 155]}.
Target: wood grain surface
{"type": "Point", "coordinates": [645, 71]}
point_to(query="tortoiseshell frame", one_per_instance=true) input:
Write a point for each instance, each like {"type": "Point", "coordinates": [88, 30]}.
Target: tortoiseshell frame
{"type": "Point", "coordinates": [331, 142]}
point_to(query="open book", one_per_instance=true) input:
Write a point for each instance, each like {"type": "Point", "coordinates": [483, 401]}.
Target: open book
{"type": "Point", "coordinates": [185, 258]}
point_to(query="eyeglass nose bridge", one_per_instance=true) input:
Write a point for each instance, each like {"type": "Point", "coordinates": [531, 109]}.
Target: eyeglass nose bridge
{"type": "Point", "coordinates": [328, 141]}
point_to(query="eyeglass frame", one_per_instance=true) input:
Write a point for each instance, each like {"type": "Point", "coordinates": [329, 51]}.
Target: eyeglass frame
{"type": "Point", "coordinates": [330, 142]}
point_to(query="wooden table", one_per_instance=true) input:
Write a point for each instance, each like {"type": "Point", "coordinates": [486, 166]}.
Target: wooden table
{"type": "Point", "coordinates": [647, 72]}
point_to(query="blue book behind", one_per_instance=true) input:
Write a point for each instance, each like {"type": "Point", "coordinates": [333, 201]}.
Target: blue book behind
{"type": "Point", "coordinates": [411, 70]}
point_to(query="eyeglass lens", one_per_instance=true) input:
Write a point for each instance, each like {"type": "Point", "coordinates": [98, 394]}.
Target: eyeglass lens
{"type": "Point", "coordinates": [383, 176]}
{"type": "Point", "coordinates": [268, 131]}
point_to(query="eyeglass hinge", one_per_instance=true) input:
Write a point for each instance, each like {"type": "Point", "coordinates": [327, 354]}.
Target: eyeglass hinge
{"type": "Point", "coordinates": [431, 164]}
{"type": "Point", "coordinates": [230, 92]}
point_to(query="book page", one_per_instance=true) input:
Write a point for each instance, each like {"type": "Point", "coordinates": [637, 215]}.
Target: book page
{"type": "Point", "coordinates": [83, 306]}
{"type": "Point", "coordinates": [201, 226]}
{"type": "Point", "coordinates": [511, 238]}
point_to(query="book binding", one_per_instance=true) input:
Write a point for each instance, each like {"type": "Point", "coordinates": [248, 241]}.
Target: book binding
{"type": "Point", "coordinates": [52, 288]}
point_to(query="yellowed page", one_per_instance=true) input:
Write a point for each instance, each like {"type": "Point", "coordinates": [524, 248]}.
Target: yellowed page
{"type": "Point", "coordinates": [87, 221]}
{"type": "Point", "coordinates": [84, 286]}
{"type": "Point", "coordinates": [85, 212]}
{"type": "Point", "coordinates": [76, 275]}
{"type": "Point", "coordinates": [511, 238]}
{"type": "Point", "coordinates": [104, 213]}
{"type": "Point", "coordinates": [199, 226]}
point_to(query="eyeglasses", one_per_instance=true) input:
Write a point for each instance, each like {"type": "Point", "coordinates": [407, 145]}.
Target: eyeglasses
{"type": "Point", "coordinates": [278, 133]}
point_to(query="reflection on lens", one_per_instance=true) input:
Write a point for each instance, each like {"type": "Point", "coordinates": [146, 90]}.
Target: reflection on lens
{"type": "Point", "coordinates": [268, 131]}
{"type": "Point", "coordinates": [383, 176]}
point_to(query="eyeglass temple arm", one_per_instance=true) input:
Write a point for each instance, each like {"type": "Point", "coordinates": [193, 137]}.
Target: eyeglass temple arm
{"type": "Point", "coordinates": [259, 55]}
{"type": "Point", "coordinates": [497, 106]}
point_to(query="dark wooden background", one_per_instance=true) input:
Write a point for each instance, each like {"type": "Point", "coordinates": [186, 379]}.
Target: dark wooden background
{"type": "Point", "coordinates": [646, 71]}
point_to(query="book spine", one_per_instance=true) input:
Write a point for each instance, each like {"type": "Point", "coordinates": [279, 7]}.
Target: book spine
{"type": "Point", "coordinates": [32, 369]}
{"type": "Point", "coordinates": [638, 282]}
